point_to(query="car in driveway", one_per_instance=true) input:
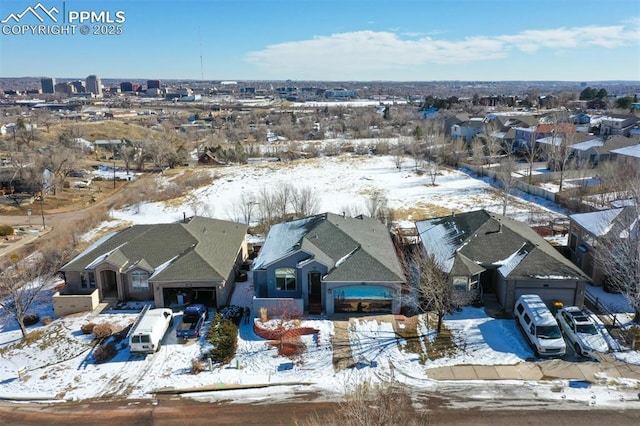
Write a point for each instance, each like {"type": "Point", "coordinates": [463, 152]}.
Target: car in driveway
{"type": "Point", "coordinates": [581, 331]}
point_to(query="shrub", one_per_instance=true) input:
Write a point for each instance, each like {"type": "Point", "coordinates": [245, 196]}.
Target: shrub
{"type": "Point", "coordinates": [5, 230]}
{"type": "Point", "coordinates": [223, 335]}
{"type": "Point", "coordinates": [105, 352]}
{"type": "Point", "coordinates": [263, 315]}
{"type": "Point", "coordinates": [197, 366]}
{"type": "Point", "coordinates": [87, 328]}
{"type": "Point", "coordinates": [233, 313]}
{"type": "Point", "coordinates": [47, 320]}
{"type": "Point", "coordinates": [31, 319]}
{"type": "Point", "coordinates": [102, 331]}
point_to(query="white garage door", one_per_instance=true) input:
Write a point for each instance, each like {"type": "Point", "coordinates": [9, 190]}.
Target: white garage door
{"type": "Point", "coordinates": [548, 295]}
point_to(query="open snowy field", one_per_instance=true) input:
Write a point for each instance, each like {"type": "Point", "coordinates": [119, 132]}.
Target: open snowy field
{"type": "Point", "coordinates": [343, 184]}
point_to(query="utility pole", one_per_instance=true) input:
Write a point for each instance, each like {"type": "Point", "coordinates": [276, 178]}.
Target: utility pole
{"type": "Point", "coordinates": [114, 171]}
{"type": "Point", "coordinates": [41, 207]}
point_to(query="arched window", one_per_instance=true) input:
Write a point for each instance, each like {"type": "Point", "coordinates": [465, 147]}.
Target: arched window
{"type": "Point", "coordinates": [286, 279]}
{"type": "Point", "coordinates": [139, 280]}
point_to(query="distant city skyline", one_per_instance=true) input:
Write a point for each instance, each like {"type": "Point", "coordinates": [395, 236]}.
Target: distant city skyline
{"type": "Point", "coordinates": [356, 40]}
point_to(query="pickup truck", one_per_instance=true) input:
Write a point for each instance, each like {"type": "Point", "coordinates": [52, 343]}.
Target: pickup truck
{"type": "Point", "coordinates": [193, 319]}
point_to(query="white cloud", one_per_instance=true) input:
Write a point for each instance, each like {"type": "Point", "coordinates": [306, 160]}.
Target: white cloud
{"type": "Point", "coordinates": [351, 54]}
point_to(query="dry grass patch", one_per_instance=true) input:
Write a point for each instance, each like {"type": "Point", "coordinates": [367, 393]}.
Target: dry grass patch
{"type": "Point", "coordinates": [421, 211]}
{"type": "Point", "coordinates": [407, 330]}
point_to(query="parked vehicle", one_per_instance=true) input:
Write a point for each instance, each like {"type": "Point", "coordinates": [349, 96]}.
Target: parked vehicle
{"type": "Point", "coordinates": [193, 318]}
{"type": "Point", "coordinates": [150, 327]}
{"type": "Point", "coordinates": [581, 331]}
{"type": "Point", "coordinates": [539, 326]}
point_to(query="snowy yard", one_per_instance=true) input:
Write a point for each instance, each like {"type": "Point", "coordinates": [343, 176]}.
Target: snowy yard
{"type": "Point", "coordinates": [60, 364]}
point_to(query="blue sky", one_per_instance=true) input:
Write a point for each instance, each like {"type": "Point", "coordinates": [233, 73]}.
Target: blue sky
{"type": "Point", "coordinates": [334, 40]}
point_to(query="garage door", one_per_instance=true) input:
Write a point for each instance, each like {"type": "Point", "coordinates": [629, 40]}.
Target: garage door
{"type": "Point", "coordinates": [548, 295]}
{"type": "Point", "coordinates": [370, 299]}
{"type": "Point", "coordinates": [184, 296]}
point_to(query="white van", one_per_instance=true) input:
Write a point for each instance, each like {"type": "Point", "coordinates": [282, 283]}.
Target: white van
{"type": "Point", "coordinates": [539, 326]}
{"type": "Point", "coordinates": [149, 329]}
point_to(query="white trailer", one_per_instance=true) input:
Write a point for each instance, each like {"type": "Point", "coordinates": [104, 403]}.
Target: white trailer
{"type": "Point", "coordinates": [149, 329]}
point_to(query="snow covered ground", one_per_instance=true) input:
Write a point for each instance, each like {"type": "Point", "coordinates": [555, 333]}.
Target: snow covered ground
{"type": "Point", "coordinates": [60, 363]}
{"type": "Point", "coordinates": [61, 366]}
{"type": "Point", "coordinates": [344, 184]}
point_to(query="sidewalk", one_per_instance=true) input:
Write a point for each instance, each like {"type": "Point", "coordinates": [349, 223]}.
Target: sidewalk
{"type": "Point", "coordinates": [9, 247]}
{"type": "Point", "coordinates": [593, 372]}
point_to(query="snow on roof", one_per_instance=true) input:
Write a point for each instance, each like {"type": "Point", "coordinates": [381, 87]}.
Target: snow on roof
{"type": "Point", "coordinates": [282, 239]}
{"type": "Point", "coordinates": [550, 140]}
{"type": "Point", "coordinates": [162, 267]}
{"type": "Point", "coordinates": [592, 143]}
{"type": "Point", "coordinates": [445, 246]}
{"type": "Point", "coordinates": [510, 263]}
{"type": "Point", "coordinates": [596, 223]}
{"type": "Point", "coordinates": [628, 151]}
{"type": "Point", "coordinates": [90, 248]}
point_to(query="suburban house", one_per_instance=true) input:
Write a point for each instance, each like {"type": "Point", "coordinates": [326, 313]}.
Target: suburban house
{"type": "Point", "coordinates": [629, 155]}
{"type": "Point", "coordinates": [596, 149]}
{"type": "Point", "coordinates": [173, 263]}
{"type": "Point", "coordinates": [617, 124]}
{"type": "Point", "coordinates": [585, 229]}
{"type": "Point", "coordinates": [468, 129]}
{"type": "Point", "coordinates": [487, 253]}
{"type": "Point", "coordinates": [329, 263]}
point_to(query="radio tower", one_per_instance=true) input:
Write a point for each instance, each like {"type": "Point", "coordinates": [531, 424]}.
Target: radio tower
{"type": "Point", "coordinates": [201, 63]}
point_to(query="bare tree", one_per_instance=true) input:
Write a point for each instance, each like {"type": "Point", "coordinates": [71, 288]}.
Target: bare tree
{"type": "Point", "coordinates": [367, 403]}
{"type": "Point", "coordinates": [505, 175]}
{"type": "Point", "coordinates": [432, 286]}
{"type": "Point", "coordinates": [161, 152]}
{"type": "Point", "coordinates": [479, 156]}
{"type": "Point", "coordinates": [305, 202]}
{"type": "Point", "coordinates": [377, 206]}
{"type": "Point", "coordinates": [267, 207]}
{"type": "Point", "coordinates": [61, 162]}
{"type": "Point", "coordinates": [416, 151]}
{"type": "Point", "coordinates": [243, 209]}
{"type": "Point", "coordinates": [618, 253]}
{"type": "Point", "coordinates": [531, 154]}
{"type": "Point", "coordinates": [24, 281]}
{"type": "Point", "coordinates": [398, 157]}
{"type": "Point", "coordinates": [283, 195]}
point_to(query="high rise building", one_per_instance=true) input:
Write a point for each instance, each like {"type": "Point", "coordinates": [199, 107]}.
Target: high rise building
{"type": "Point", "coordinates": [126, 86]}
{"type": "Point", "coordinates": [65, 87]}
{"type": "Point", "coordinates": [78, 86]}
{"type": "Point", "coordinates": [153, 84]}
{"type": "Point", "coordinates": [48, 85]}
{"type": "Point", "coordinates": [93, 85]}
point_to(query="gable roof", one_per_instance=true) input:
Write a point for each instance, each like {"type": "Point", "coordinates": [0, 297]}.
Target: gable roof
{"type": "Point", "coordinates": [200, 249]}
{"type": "Point", "coordinates": [353, 249]}
{"type": "Point", "coordinates": [601, 223]}
{"type": "Point", "coordinates": [628, 151]}
{"type": "Point", "coordinates": [470, 242]}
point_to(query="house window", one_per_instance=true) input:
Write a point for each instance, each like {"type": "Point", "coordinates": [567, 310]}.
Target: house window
{"type": "Point", "coordinates": [473, 283]}
{"type": "Point", "coordinates": [460, 283]}
{"type": "Point", "coordinates": [139, 281]}
{"type": "Point", "coordinates": [92, 279]}
{"type": "Point", "coordinates": [286, 279]}
{"type": "Point", "coordinates": [573, 241]}
{"type": "Point", "coordinates": [83, 280]}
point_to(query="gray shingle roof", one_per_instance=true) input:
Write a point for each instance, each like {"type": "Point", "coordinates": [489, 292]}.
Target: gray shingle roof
{"type": "Point", "coordinates": [487, 240]}
{"type": "Point", "coordinates": [354, 249]}
{"type": "Point", "coordinates": [200, 249]}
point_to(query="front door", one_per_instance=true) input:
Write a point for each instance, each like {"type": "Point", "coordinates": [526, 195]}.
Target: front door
{"type": "Point", "coordinates": [315, 289]}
